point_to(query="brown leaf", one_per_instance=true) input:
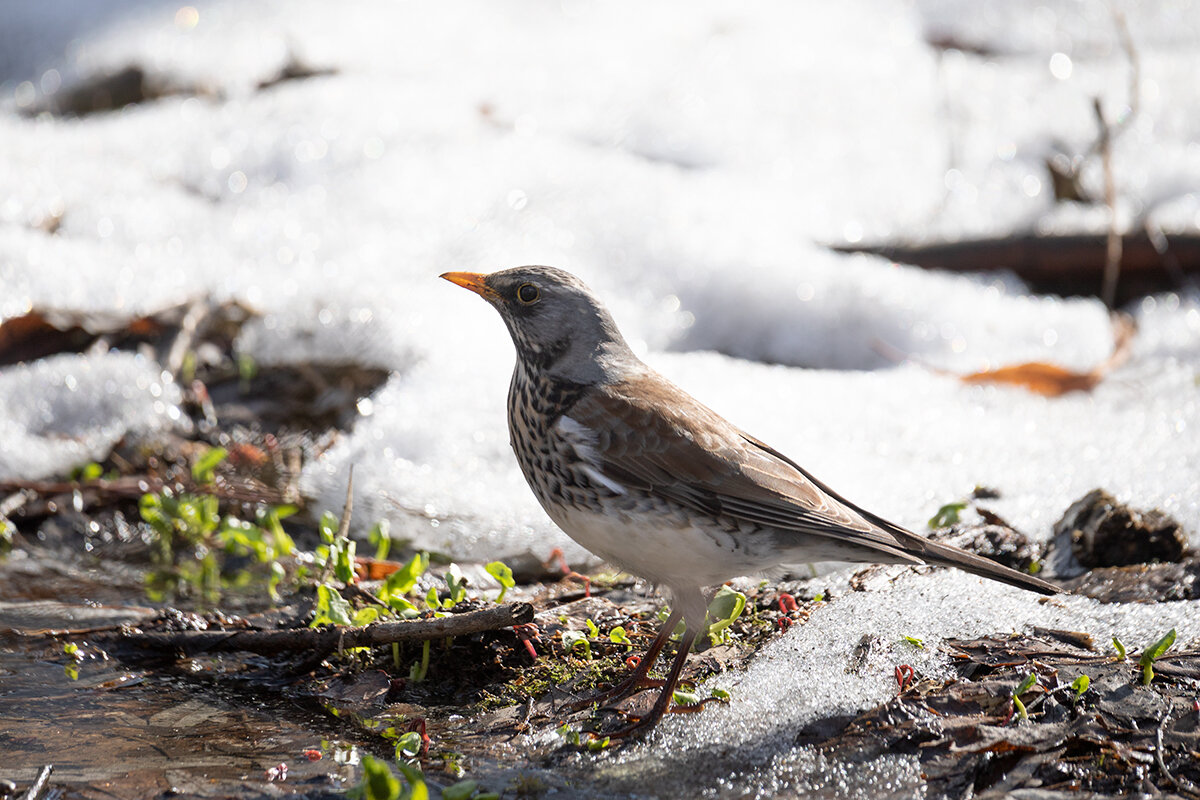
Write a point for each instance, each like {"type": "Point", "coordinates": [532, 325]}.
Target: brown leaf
{"type": "Point", "coordinates": [1051, 380]}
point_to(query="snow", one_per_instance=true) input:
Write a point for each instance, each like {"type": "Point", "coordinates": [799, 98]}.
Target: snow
{"type": "Point", "coordinates": [690, 161]}
{"type": "Point", "coordinates": [64, 411]}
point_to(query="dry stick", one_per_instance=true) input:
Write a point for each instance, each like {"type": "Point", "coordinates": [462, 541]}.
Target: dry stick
{"type": "Point", "coordinates": [328, 639]}
{"type": "Point", "coordinates": [39, 784]}
{"type": "Point", "coordinates": [1112, 249]}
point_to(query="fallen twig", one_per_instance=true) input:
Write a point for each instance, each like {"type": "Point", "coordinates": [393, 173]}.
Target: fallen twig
{"type": "Point", "coordinates": [330, 638]}
{"type": "Point", "coordinates": [39, 784]}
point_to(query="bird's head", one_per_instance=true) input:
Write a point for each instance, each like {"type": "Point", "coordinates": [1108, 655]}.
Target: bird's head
{"type": "Point", "coordinates": [557, 325]}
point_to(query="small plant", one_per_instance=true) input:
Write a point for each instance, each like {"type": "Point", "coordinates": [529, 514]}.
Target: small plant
{"type": "Point", "coordinates": [457, 583]}
{"type": "Point", "coordinates": [380, 537]}
{"type": "Point", "coordinates": [947, 515]}
{"type": "Point", "coordinates": [337, 552]}
{"type": "Point", "coordinates": [501, 572]}
{"type": "Point", "coordinates": [380, 783]}
{"type": "Point", "coordinates": [204, 470]}
{"type": "Point", "coordinates": [1120, 648]}
{"type": "Point", "coordinates": [1025, 686]}
{"type": "Point", "coordinates": [1080, 686]}
{"type": "Point", "coordinates": [87, 472]}
{"type": "Point", "coordinates": [577, 644]}
{"type": "Point", "coordinates": [571, 735]}
{"type": "Point", "coordinates": [726, 606]}
{"type": "Point", "coordinates": [618, 636]}
{"type": "Point", "coordinates": [408, 746]}
{"type": "Point", "coordinates": [401, 582]}
{"type": "Point", "coordinates": [592, 629]}
{"type": "Point", "coordinates": [1153, 653]}
{"type": "Point", "coordinates": [915, 642]}
{"type": "Point", "coordinates": [332, 608]}
{"type": "Point", "coordinates": [418, 671]}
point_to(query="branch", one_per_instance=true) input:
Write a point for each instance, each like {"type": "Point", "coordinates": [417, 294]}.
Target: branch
{"type": "Point", "coordinates": [331, 638]}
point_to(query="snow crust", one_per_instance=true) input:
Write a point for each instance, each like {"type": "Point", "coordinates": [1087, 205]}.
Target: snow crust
{"type": "Point", "coordinates": [64, 411]}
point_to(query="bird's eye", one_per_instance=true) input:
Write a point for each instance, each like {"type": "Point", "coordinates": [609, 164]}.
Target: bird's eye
{"type": "Point", "coordinates": [527, 293]}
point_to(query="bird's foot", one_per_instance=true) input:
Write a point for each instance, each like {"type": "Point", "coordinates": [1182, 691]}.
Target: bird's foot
{"type": "Point", "coordinates": [634, 683]}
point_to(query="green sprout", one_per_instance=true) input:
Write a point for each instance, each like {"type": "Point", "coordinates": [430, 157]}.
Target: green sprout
{"type": "Point", "coordinates": [1025, 686]}
{"type": "Point", "coordinates": [463, 790]}
{"type": "Point", "coordinates": [1080, 686]}
{"type": "Point", "coordinates": [380, 783]}
{"type": "Point", "coordinates": [87, 472]}
{"type": "Point", "coordinates": [618, 636]}
{"type": "Point", "coordinates": [419, 670]}
{"type": "Point", "coordinates": [576, 642]}
{"type": "Point", "coordinates": [947, 515]}
{"type": "Point", "coordinates": [501, 572]}
{"type": "Point", "coordinates": [1153, 653]}
{"type": "Point", "coordinates": [592, 629]}
{"type": "Point", "coordinates": [1119, 647]}
{"type": "Point", "coordinates": [726, 606]}
{"type": "Point", "coordinates": [457, 583]}
{"type": "Point", "coordinates": [915, 642]}
{"type": "Point", "coordinates": [204, 470]}
{"type": "Point", "coordinates": [332, 608]}
{"type": "Point", "coordinates": [408, 745]}
{"type": "Point", "coordinates": [379, 535]}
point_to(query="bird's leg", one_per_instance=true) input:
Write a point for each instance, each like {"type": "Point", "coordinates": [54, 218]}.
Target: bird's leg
{"type": "Point", "coordinates": [645, 723]}
{"type": "Point", "coordinates": [637, 678]}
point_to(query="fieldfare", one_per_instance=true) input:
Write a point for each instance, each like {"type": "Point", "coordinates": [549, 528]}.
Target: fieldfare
{"type": "Point", "coordinates": [641, 474]}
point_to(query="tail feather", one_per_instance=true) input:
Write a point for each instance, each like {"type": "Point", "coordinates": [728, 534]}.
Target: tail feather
{"type": "Point", "coordinates": [944, 555]}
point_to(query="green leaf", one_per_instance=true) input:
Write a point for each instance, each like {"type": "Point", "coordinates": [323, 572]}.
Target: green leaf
{"type": "Point", "coordinates": [501, 572]}
{"type": "Point", "coordinates": [402, 581]}
{"type": "Point", "coordinates": [431, 598]}
{"type": "Point", "coordinates": [343, 565]}
{"type": "Point", "coordinates": [947, 515]}
{"type": "Point", "coordinates": [1153, 653]}
{"type": "Point", "coordinates": [460, 791]}
{"type": "Point", "coordinates": [378, 780]}
{"type": "Point", "coordinates": [408, 745]}
{"type": "Point", "coordinates": [1080, 685]}
{"type": "Point", "coordinates": [618, 636]}
{"type": "Point", "coordinates": [592, 630]}
{"type": "Point", "coordinates": [726, 606]}
{"type": "Point", "coordinates": [417, 790]}
{"type": "Point", "coordinates": [204, 470]}
{"type": "Point", "coordinates": [1025, 686]}
{"type": "Point", "coordinates": [329, 527]}
{"type": "Point", "coordinates": [332, 608]}
{"type": "Point", "coordinates": [577, 643]}
{"type": "Point", "coordinates": [594, 745]}
{"type": "Point", "coordinates": [682, 697]}
{"type": "Point", "coordinates": [366, 615]}
{"type": "Point", "coordinates": [418, 671]}
{"type": "Point", "coordinates": [1120, 648]}
{"type": "Point", "coordinates": [87, 472]}
{"type": "Point", "coordinates": [380, 536]}
{"type": "Point", "coordinates": [457, 583]}
{"type": "Point", "coordinates": [722, 695]}
{"type": "Point", "coordinates": [403, 607]}
{"type": "Point", "coordinates": [915, 642]}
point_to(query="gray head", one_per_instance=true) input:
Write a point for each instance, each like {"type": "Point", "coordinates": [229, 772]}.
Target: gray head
{"type": "Point", "coordinates": [557, 325]}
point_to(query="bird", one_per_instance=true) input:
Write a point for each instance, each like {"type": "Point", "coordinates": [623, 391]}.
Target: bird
{"type": "Point", "coordinates": [646, 477]}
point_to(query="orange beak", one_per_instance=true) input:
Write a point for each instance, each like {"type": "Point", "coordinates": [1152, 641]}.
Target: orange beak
{"type": "Point", "coordinates": [473, 281]}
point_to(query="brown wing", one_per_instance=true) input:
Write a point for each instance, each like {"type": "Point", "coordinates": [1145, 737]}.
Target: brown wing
{"type": "Point", "coordinates": [653, 436]}
{"type": "Point", "coordinates": [657, 438]}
